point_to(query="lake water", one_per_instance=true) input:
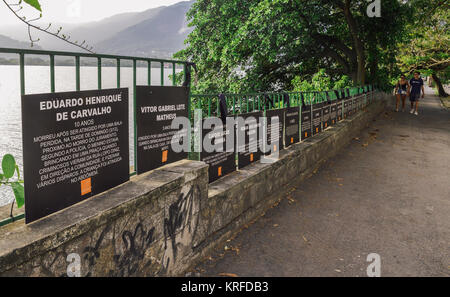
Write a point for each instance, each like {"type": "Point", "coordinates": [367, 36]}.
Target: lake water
{"type": "Point", "coordinates": [37, 80]}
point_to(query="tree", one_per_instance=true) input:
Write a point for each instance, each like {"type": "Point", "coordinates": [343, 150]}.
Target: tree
{"type": "Point", "coordinates": [428, 45]}
{"type": "Point", "coordinates": [261, 45]}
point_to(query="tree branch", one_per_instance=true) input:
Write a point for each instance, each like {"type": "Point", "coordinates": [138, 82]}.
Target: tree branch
{"type": "Point", "coordinates": [62, 37]}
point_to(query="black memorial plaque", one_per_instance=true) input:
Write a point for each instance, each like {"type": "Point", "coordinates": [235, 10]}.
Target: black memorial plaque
{"type": "Point", "coordinates": [340, 110]}
{"type": "Point", "coordinates": [355, 105]}
{"type": "Point", "coordinates": [250, 150]}
{"type": "Point", "coordinates": [292, 134]}
{"type": "Point", "coordinates": [349, 108]}
{"type": "Point", "coordinates": [220, 162]}
{"type": "Point", "coordinates": [345, 108]}
{"type": "Point", "coordinates": [326, 115]}
{"type": "Point", "coordinates": [156, 108]}
{"type": "Point", "coordinates": [75, 145]}
{"type": "Point", "coordinates": [334, 112]}
{"type": "Point", "coordinates": [317, 118]}
{"type": "Point", "coordinates": [306, 122]}
{"type": "Point", "coordinates": [273, 147]}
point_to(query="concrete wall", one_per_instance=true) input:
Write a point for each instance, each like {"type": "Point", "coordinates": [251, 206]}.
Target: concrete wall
{"type": "Point", "coordinates": [163, 222]}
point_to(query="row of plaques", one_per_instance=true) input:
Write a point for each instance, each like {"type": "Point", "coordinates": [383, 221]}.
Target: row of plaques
{"type": "Point", "coordinates": [295, 124]}
{"type": "Point", "coordinates": [76, 144]}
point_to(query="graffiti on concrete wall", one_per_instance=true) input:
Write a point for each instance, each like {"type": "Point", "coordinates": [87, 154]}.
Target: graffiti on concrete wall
{"type": "Point", "coordinates": [129, 256]}
{"type": "Point", "coordinates": [180, 225]}
{"type": "Point", "coordinates": [133, 245]}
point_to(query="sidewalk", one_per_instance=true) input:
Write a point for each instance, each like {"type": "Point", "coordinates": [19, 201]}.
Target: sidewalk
{"type": "Point", "coordinates": [387, 193]}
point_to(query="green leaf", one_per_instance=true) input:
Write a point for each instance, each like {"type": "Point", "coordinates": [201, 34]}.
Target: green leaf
{"type": "Point", "coordinates": [1, 176]}
{"type": "Point", "coordinates": [34, 3]}
{"type": "Point", "coordinates": [19, 193]}
{"type": "Point", "coordinates": [8, 166]}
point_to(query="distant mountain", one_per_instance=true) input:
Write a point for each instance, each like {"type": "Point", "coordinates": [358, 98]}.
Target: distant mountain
{"type": "Point", "coordinates": [12, 43]}
{"type": "Point", "coordinates": [102, 30]}
{"type": "Point", "coordinates": [156, 32]}
{"type": "Point", "coordinates": [162, 34]}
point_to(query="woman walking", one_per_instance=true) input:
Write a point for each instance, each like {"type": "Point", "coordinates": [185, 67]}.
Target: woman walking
{"type": "Point", "coordinates": [401, 90]}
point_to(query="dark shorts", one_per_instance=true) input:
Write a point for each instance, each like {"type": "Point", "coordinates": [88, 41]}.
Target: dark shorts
{"type": "Point", "coordinates": [414, 97]}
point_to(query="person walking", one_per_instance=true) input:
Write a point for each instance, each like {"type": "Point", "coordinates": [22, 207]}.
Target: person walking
{"type": "Point", "coordinates": [416, 87]}
{"type": "Point", "coordinates": [401, 90]}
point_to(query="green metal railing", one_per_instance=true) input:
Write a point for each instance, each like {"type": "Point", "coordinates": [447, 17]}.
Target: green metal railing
{"type": "Point", "coordinates": [99, 57]}
{"type": "Point", "coordinates": [22, 53]}
{"type": "Point", "coordinates": [208, 103]}
{"type": "Point", "coordinates": [245, 103]}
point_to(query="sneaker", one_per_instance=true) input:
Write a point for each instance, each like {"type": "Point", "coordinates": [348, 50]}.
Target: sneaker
{"type": "Point", "coordinates": [396, 110]}
{"type": "Point", "coordinates": [412, 111]}
{"type": "Point", "coordinates": [416, 113]}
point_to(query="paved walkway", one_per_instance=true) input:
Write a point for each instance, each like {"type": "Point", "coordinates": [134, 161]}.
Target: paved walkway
{"type": "Point", "coordinates": [388, 192]}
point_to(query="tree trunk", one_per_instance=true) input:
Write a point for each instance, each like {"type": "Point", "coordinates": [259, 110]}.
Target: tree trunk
{"type": "Point", "coordinates": [359, 47]}
{"type": "Point", "coordinates": [441, 89]}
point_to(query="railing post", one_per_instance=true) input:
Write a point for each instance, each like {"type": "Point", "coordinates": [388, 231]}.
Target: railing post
{"type": "Point", "coordinates": [189, 90]}
{"type": "Point", "coordinates": [149, 73]}
{"type": "Point", "coordinates": [209, 106]}
{"type": "Point", "coordinates": [174, 82]}
{"type": "Point", "coordinates": [22, 73]}
{"type": "Point", "coordinates": [162, 73]}
{"type": "Point", "coordinates": [134, 114]}
{"type": "Point", "coordinates": [77, 73]}
{"type": "Point", "coordinates": [52, 73]}
{"type": "Point", "coordinates": [118, 72]}
{"type": "Point", "coordinates": [99, 72]}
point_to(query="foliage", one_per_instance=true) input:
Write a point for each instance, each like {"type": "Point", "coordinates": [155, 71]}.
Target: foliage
{"type": "Point", "coordinates": [34, 3]}
{"type": "Point", "coordinates": [343, 82]}
{"type": "Point", "coordinates": [242, 46]}
{"type": "Point", "coordinates": [9, 169]}
{"type": "Point", "coordinates": [321, 81]}
{"type": "Point", "coordinates": [427, 47]}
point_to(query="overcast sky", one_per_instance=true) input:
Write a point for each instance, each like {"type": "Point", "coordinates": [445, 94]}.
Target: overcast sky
{"type": "Point", "coordinates": [79, 11]}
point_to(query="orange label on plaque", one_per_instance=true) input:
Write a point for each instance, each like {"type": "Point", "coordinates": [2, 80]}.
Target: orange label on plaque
{"type": "Point", "coordinates": [292, 139]}
{"type": "Point", "coordinates": [251, 157]}
{"type": "Point", "coordinates": [317, 130]}
{"type": "Point", "coordinates": [164, 156]}
{"type": "Point", "coordinates": [219, 173]}
{"type": "Point", "coordinates": [306, 134]}
{"type": "Point", "coordinates": [86, 186]}
{"type": "Point", "coordinates": [326, 125]}
{"type": "Point", "coordinates": [274, 148]}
